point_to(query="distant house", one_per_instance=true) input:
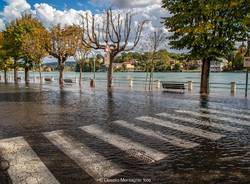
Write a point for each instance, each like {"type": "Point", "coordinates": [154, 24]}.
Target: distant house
{"type": "Point", "coordinates": [192, 64]}
{"type": "Point", "coordinates": [219, 66]}
{"type": "Point", "coordinates": [128, 66]}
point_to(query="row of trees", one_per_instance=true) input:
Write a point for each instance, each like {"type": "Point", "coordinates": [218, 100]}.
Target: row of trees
{"type": "Point", "coordinates": [207, 29]}
{"type": "Point", "coordinates": [25, 41]}
{"type": "Point", "coordinates": [162, 61]}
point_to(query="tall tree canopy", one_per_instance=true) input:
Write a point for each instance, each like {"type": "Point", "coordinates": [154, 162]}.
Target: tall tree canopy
{"type": "Point", "coordinates": [33, 46]}
{"type": "Point", "coordinates": [208, 29]}
{"type": "Point", "coordinates": [15, 36]}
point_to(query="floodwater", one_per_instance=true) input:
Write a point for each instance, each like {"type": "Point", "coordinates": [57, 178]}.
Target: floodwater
{"type": "Point", "coordinates": [122, 136]}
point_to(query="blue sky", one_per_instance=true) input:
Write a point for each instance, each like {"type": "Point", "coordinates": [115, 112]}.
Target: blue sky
{"type": "Point", "coordinates": [67, 12]}
{"type": "Point", "coordinates": [62, 4]}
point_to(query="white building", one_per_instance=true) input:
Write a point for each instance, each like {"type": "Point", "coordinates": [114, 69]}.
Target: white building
{"type": "Point", "coordinates": [219, 65]}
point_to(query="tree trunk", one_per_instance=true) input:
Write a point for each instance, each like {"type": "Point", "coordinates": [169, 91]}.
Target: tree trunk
{"type": "Point", "coordinates": [204, 88]}
{"type": "Point", "coordinates": [110, 72]}
{"type": "Point", "coordinates": [5, 76]}
{"type": "Point", "coordinates": [61, 75]}
{"type": "Point", "coordinates": [40, 74]}
{"type": "Point", "coordinates": [146, 78]}
{"type": "Point", "coordinates": [80, 78]}
{"type": "Point", "coordinates": [151, 79]}
{"type": "Point", "coordinates": [26, 75]}
{"type": "Point", "coordinates": [15, 72]}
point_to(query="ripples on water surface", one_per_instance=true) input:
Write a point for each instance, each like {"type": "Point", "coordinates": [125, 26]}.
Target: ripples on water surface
{"type": "Point", "coordinates": [29, 112]}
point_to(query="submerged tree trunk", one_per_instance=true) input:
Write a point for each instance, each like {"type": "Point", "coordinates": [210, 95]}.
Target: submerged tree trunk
{"type": "Point", "coordinates": [110, 72]}
{"type": "Point", "coordinates": [40, 74]}
{"type": "Point", "coordinates": [80, 78]}
{"type": "Point", "coordinates": [26, 75]}
{"type": "Point", "coordinates": [151, 79]}
{"type": "Point", "coordinates": [15, 72]}
{"type": "Point", "coordinates": [204, 88]}
{"type": "Point", "coordinates": [61, 74]}
{"type": "Point", "coordinates": [146, 78]}
{"type": "Point", "coordinates": [5, 76]}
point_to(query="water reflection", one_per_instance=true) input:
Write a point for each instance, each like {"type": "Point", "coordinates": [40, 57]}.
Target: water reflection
{"type": "Point", "coordinates": [204, 101]}
{"type": "Point", "coordinates": [33, 111]}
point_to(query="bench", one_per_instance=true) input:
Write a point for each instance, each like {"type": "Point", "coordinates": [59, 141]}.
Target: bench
{"type": "Point", "coordinates": [173, 86]}
{"type": "Point", "coordinates": [68, 81]}
{"type": "Point", "coordinates": [47, 79]}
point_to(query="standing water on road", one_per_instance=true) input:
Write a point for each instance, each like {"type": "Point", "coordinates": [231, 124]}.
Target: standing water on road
{"type": "Point", "coordinates": [90, 136]}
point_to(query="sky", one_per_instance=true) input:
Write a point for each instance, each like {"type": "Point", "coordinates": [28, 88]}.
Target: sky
{"type": "Point", "coordinates": [64, 11]}
{"type": "Point", "coordinates": [67, 12]}
{"type": "Point", "coordinates": [60, 4]}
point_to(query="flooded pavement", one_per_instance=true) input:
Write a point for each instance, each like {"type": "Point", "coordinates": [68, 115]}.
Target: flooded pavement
{"type": "Point", "coordinates": [124, 136]}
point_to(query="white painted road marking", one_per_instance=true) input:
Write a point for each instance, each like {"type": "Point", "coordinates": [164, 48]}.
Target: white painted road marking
{"type": "Point", "coordinates": [25, 166]}
{"type": "Point", "coordinates": [182, 128]}
{"type": "Point", "coordinates": [134, 149]}
{"type": "Point", "coordinates": [229, 109]}
{"type": "Point", "coordinates": [167, 138]}
{"type": "Point", "coordinates": [93, 163]}
{"type": "Point", "coordinates": [227, 113]}
{"type": "Point", "coordinates": [230, 120]}
{"type": "Point", "coordinates": [199, 122]}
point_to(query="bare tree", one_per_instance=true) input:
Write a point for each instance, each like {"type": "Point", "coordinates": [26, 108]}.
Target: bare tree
{"type": "Point", "coordinates": [154, 41]}
{"type": "Point", "coordinates": [80, 57]}
{"type": "Point", "coordinates": [113, 34]}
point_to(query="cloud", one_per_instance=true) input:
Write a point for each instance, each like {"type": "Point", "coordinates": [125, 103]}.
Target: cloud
{"type": "Point", "coordinates": [14, 9]}
{"type": "Point", "coordinates": [143, 9]}
{"type": "Point", "coordinates": [50, 16]}
{"type": "Point", "coordinates": [134, 3]}
{"type": "Point", "coordinates": [121, 4]}
{"type": "Point", "coordinates": [2, 25]}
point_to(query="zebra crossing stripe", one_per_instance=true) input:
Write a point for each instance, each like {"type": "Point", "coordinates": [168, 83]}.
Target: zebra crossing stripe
{"type": "Point", "coordinates": [182, 128]}
{"type": "Point", "coordinates": [230, 120]}
{"type": "Point", "coordinates": [231, 109]}
{"type": "Point", "coordinates": [167, 138]}
{"type": "Point", "coordinates": [199, 122]}
{"type": "Point", "coordinates": [25, 166]}
{"type": "Point", "coordinates": [93, 163]}
{"type": "Point", "coordinates": [134, 149]}
{"type": "Point", "coordinates": [238, 115]}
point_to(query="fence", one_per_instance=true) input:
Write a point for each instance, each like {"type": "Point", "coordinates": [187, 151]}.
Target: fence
{"type": "Point", "coordinates": [232, 86]}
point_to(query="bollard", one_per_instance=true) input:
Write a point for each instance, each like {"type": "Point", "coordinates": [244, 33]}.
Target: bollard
{"type": "Point", "coordinates": [233, 87]}
{"type": "Point", "coordinates": [158, 84]}
{"type": "Point", "coordinates": [130, 82]}
{"type": "Point", "coordinates": [92, 83]}
{"type": "Point", "coordinates": [190, 85]}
